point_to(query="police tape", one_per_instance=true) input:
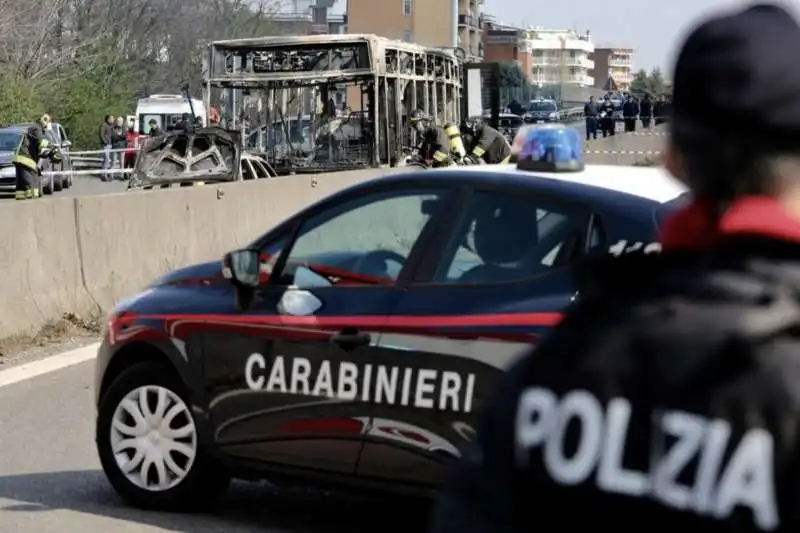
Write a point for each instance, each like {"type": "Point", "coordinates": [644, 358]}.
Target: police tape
{"type": "Point", "coordinates": [80, 153]}
{"type": "Point", "coordinates": [91, 172]}
{"type": "Point", "coordinates": [624, 152]}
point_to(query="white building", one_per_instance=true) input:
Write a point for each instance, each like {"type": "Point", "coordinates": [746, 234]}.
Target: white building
{"type": "Point", "coordinates": [560, 56]}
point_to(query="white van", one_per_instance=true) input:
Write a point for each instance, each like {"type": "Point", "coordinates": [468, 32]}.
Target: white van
{"type": "Point", "coordinates": [166, 110]}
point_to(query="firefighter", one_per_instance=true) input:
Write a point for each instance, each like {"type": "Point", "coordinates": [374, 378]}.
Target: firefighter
{"type": "Point", "coordinates": [32, 147]}
{"type": "Point", "coordinates": [439, 146]}
{"type": "Point", "coordinates": [485, 142]}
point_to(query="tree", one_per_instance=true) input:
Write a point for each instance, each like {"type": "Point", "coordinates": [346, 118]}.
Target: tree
{"type": "Point", "coordinates": [640, 85]}
{"type": "Point", "coordinates": [82, 59]}
{"type": "Point", "coordinates": [511, 74]}
{"type": "Point", "coordinates": [656, 82]}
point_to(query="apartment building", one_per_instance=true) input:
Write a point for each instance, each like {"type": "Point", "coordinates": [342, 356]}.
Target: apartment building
{"type": "Point", "coordinates": [560, 57]}
{"type": "Point", "coordinates": [442, 23]}
{"type": "Point", "coordinates": [309, 17]}
{"type": "Point", "coordinates": [547, 56]}
{"type": "Point", "coordinates": [615, 62]}
{"type": "Point", "coordinates": [506, 43]}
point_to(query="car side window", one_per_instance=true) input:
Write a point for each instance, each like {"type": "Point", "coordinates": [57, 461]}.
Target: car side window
{"type": "Point", "coordinates": [62, 134]}
{"type": "Point", "coordinates": [504, 238]}
{"type": "Point", "coordinates": [247, 171]}
{"type": "Point", "coordinates": [364, 241]}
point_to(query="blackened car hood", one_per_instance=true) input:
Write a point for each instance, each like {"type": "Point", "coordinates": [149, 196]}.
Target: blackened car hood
{"type": "Point", "coordinates": [207, 154]}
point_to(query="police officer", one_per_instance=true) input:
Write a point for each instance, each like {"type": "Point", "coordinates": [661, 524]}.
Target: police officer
{"type": "Point", "coordinates": [32, 147]}
{"type": "Point", "coordinates": [668, 397]}
{"type": "Point", "coordinates": [485, 142]}
{"type": "Point", "coordinates": [441, 146]}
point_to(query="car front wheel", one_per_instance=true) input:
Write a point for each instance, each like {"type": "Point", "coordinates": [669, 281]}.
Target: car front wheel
{"type": "Point", "coordinates": [148, 443]}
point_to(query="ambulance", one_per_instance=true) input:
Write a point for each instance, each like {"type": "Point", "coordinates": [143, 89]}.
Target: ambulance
{"type": "Point", "coordinates": [166, 110]}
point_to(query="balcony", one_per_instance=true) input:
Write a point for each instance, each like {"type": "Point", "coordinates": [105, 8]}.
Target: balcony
{"type": "Point", "coordinates": [469, 21]}
{"type": "Point", "coordinates": [319, 29]}
{"type": "Point", "coordinates": [620, 63]}
{"type": "Point", "coordinates": [582, 62]}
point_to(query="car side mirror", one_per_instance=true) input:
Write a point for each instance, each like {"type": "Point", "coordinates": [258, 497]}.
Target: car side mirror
{"type": "Point", "coordinates": [242, 268]}
{"type": "Point", "coordinates": [66, 144]}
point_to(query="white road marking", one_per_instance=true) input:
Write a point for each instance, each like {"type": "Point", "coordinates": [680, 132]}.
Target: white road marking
{"type": "Point", "coordinates": [53, 363]}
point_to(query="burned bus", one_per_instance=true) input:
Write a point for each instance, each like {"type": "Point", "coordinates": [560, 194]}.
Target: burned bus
{"type": "Point", "coordinates": [329, 102]}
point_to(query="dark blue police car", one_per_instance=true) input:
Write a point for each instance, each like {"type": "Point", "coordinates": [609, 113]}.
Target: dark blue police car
{"type": "Point", "coordinates": [357, 341]}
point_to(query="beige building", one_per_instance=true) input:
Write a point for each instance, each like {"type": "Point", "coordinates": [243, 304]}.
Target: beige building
{"type": "Point", "coordinates": [616, 62]}
{"type": "Point", "coordinates": [443, 23]}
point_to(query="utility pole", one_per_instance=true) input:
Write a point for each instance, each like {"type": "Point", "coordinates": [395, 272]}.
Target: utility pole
{"type": "Point", "coordinates": [562, 67]}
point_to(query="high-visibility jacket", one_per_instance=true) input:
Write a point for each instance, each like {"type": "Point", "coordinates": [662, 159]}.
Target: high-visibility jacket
{"type": "Point", "coordinates": [31, 145]}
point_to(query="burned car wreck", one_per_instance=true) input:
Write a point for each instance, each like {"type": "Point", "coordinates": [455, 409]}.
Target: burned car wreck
{"type": "Point", "coordinates": [207, 155]}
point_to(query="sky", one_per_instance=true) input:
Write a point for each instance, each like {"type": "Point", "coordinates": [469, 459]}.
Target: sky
{"type": "Point", "coordinates": [654, 28]}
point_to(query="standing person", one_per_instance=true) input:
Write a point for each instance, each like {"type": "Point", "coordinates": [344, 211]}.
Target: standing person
{"type": "Point", "coordinates": [646, 111]}
{"type": "Point", "coordinates": [107, 140]}
{"type": "Point", "coordinates": [668, 397]}
{"type": "Point", "coordinates": [659, 110]}
{"type": "Point", "coordinates": [630, 110]}
{"type": "Point", "coordinates": [31, 149]}
{"type": "Point", "coordinates": [119, 142]}
{"type": "Point", "coordinates": [591, 111]}
{"type": "Point", "coordinates": [607, 125]}
{"type": "Point", "coordinates": [155, 130]}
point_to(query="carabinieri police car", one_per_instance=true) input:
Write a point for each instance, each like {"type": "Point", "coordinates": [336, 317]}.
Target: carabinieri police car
{"type": "Point", "coordinates": [357, 341]}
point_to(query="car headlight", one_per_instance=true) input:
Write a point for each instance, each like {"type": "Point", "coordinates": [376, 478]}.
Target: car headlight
{"type": "Point", "coordinates": [8, 172]}
{"type": "Point", "coordinates": [553, 115]}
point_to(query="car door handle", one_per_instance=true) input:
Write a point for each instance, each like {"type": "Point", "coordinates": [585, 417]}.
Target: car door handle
{"type": "Point", "coordinates": [350, 339]}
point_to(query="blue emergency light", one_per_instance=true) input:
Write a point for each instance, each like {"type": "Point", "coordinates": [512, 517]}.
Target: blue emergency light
{"type": "Point", "coordinates": [548, 148]}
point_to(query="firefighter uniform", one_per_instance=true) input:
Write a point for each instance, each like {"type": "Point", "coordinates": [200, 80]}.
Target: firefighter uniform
{"type": "Point", "coordinates": [491, 145]}
{"type": "Point", "coordinates": [26, 160]}
{"type": "Point", "coordinates": [441, 143]}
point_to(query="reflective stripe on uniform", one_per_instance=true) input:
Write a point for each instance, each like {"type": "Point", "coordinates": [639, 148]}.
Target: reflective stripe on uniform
{"type": "Point", "coordinates": [19, 195]}
{"type": "Point", "coordinates": [24, 160]}
{"type": "Point", "coordinates": [439, 156]}
{"type": "Point", "coordinates": [478, 151]}
{"type": "Point", "coordinates": [506, 160]}
{"type": "Point", "coordinates": [452, 131]}
{"type": "Point", "coordinates": [44, 143]}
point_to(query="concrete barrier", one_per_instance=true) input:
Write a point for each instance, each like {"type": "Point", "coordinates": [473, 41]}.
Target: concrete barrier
{"type": "Point", "coordinates": [41, 265]}
{"type": "Point", "coordinates": [628, 148]}
{"type": "Point", "coordinates": [84, 254]}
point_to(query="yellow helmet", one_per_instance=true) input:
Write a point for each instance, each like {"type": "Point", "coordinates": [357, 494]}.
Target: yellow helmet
{"type": "Point", "coordinates": [45, 120]}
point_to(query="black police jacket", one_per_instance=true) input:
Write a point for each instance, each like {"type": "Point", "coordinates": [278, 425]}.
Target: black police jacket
{"type": "Point", "coordinates": [669, 396]}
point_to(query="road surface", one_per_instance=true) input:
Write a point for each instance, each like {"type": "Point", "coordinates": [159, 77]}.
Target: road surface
{"type": "Point", "coordinates": [84, 186]}
{"type": "Point", "coordinates": [51, 482]}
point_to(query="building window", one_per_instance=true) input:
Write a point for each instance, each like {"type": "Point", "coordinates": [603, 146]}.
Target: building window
{"type": "Point", "coordinates": [407, 37]}
{"type": "Point", "coordinates": [408, 7]}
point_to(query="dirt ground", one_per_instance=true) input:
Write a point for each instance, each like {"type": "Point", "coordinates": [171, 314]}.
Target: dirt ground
{"type": "Point", "coordinates": [69, 332]}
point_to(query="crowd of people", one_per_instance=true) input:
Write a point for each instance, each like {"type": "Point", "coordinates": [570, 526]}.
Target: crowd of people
{"type": "Point", "coordinates": [118, 139]}
{"type": "Point", "coordinates": [603, 116]}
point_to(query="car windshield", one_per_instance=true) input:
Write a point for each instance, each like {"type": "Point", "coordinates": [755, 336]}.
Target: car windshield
{"type": "Point", "coordinates": [9, 141]}
{"type": "Point", "coordinates": [542, 106]}
{"type": "Point", "coordinates": [164, 121]}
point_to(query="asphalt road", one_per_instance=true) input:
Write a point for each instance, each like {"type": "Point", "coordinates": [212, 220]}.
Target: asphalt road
{"type": "Point", "coordinates": [84, 186]}
{"type": "Point", "coordinates": [51, 482]}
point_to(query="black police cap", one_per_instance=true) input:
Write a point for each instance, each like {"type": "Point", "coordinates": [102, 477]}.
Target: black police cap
{"type": "Point", "coordinates": [738, 75]}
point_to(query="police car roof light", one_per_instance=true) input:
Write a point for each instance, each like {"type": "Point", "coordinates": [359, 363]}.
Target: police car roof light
{"type": "Point", "coordinates": [548, 148]}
